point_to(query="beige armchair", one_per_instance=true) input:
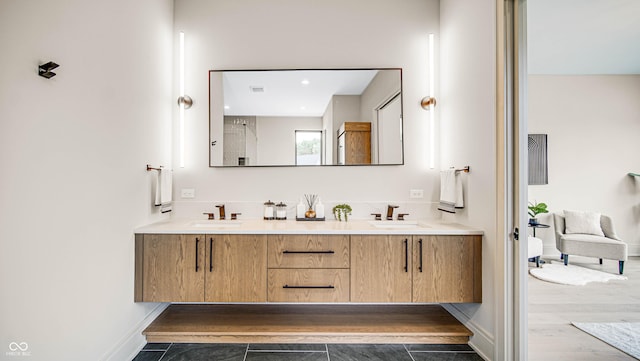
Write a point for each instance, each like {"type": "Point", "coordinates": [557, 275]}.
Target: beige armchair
{"type": "Point", "coordinates": [589, 245]}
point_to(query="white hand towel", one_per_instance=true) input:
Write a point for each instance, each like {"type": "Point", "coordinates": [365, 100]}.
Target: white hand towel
{"type": "Point", "coordinates": [448, 193]}
{"type": "Point", "coordinates": [451, 195]}
{"type": "Point", "coordinates": [164, 190]}
{"type": "Point", "coordinates": [459, 195]}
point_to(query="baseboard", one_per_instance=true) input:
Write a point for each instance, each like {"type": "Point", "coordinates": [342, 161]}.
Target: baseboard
{"type": "Point", "coordinates": [482, 342]}
{"type": "Point", "coordinates": [134, 341]}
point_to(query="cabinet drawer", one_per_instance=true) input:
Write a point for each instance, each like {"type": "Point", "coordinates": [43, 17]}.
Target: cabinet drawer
{"type": "Point", "coordinates": [308, 251]}
{"type": "Point", "coordinates": [308, 285]}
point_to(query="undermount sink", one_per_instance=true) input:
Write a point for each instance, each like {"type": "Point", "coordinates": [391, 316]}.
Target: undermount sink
{"type": "Point", "coordinates": [216, 224]}
{"type": "Point", "coordinates": [397, 224]}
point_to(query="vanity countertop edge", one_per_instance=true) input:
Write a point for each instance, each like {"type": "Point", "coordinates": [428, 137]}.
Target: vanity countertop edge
{"type": "Point", "coordinates": [353, 227]}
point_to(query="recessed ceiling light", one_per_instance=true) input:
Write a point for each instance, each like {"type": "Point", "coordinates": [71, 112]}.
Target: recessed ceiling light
{"type": "Point", "coordinates": [304, 82]}
{"type": "Point", "coordinates": [226, 107]}
{"type": "Point", "coordinates": [303, 108]}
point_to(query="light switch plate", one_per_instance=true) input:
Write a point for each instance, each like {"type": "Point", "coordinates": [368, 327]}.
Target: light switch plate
{"type": "Point", "coordinates": [188, 193]}
{"type": "Point", "coordinates": [416, 193]}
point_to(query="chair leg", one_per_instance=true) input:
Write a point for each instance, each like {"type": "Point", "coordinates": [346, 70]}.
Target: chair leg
{"type": "Point", "coordinates": [566, 259]}
{"type": "Point", "coordinates": [600, 260]}
{"type": "Point", "coordinates": [538, 261]}
{"type": "Point", "coordinates": [561, 255]}
{"type": "Point", "coordinates": [621, 266]}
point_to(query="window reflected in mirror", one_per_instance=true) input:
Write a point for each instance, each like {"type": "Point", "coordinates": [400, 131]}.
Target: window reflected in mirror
{"type": "Point", "coordinates": [308, 147]}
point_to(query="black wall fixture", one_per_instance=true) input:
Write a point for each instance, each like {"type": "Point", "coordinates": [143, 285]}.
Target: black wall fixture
{"type": "Point", "coordinates": [44, 70]}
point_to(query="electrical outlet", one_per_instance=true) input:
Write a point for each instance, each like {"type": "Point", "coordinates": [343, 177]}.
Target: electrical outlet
{"type": "Point", "coordinates": [416, 193]}
{"type": "Point", "coordinates": [188, 193]}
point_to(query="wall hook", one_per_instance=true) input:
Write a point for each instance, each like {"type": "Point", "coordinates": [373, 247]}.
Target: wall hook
{"type": "Point", "coordinates": [44, 70]}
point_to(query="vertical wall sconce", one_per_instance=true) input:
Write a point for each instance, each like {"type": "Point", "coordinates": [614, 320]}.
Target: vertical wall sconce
{"type": "Point", "coordinates": [429, 103]}
{"type": "Point", "coordinates": [184, 101]}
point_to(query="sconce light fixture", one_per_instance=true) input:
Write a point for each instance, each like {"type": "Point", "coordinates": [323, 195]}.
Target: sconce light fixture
{"type": "Point", "coordinates": [184, 101]}
{"type": "Point", "coordinates": [426, 102]}
{"type": "Point", "coordinates": [429, 103]}
{"type": "Point", "coordinates": [44, 70]}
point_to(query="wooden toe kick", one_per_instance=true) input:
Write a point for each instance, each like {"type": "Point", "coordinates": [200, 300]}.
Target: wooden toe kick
{"type": "Point", "coordinates": [193, 323]}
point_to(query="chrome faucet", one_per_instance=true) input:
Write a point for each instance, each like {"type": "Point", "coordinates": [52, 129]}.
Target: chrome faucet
{"type": "Point", "coordinates": [221, 209]}
{"type": "Point", "coordinates": [390, 212]}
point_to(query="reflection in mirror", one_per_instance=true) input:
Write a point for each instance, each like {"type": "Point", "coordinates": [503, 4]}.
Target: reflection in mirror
{"type": "Point", "coordinates": [305, 117]}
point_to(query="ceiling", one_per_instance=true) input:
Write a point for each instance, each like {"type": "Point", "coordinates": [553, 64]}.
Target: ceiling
{"type": "Point", "coordinates": [283, 93]}
{"type": "Point", "coordinates": [583, 36]}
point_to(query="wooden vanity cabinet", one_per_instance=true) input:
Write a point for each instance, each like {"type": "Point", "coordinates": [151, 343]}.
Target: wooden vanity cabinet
{"type": "Point", "coordinates": [309, 268]}
{"type": "Point", "coordinates": [201, 268]}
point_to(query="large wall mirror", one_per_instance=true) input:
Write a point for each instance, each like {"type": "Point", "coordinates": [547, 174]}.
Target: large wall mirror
{"type": "Point", "coordinates": [305, 117]}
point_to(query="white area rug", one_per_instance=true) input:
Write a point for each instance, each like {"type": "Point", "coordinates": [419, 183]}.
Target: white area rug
{"type": "Point", "coordinates": [571, 275]}
{"type": "Point", "coordinates": [625, 336]}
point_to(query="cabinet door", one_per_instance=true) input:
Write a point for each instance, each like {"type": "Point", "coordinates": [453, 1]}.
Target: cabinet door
{"type": "Point", "coordinates": [236, 268]}
{"type": "Point", "coordinates": [173, 268]}
{"type": "Point", "coordinates": [447, 269]}
{"type": "Point", "coordinates": [380, 269]}
{"type": "Point", "coordinates": [358, 148]}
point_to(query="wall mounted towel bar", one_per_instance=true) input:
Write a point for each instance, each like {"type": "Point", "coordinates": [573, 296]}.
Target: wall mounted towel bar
{"type": "Point", "coordinates": [149, 168]}
{"type": "Point", "coordinates": [465, 169]}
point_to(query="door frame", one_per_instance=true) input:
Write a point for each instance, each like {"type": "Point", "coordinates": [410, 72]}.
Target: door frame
{"type": "Point", "coordinates": [511, 125]}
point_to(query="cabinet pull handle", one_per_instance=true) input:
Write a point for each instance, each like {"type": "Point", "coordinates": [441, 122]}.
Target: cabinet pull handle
{"type": "Point", "coordinates": [312, 287]}
{"type": "Point", "coordinates": [420, 244]}
{"type": "Point", "coordinates": [197, 241]}
{"type": "Point", "coordinates": [406, 255]}
{"type": "Point", "coordinates": [211, 254]}
{"type": "Point", "coordinates": [309, 252]}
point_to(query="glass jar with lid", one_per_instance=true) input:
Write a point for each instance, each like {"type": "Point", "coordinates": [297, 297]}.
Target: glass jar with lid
{"type": "Point", "coordinates": [269, 210]}
{"type": "Point", "coordinates": [281, 211]}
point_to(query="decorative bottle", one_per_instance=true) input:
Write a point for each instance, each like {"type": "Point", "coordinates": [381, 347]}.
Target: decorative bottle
{"type": "Point", "coordinates": [300, 209]}
{"type": "Point", "coordinates": [319, 209]}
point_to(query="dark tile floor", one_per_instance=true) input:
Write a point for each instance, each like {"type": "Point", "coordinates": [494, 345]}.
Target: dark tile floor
{"type": "Point", "coordinates": [306, 352]}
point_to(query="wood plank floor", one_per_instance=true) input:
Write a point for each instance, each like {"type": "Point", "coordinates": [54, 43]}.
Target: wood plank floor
{"type": "Point", "coordinates": [424, 324]}
{"type": "Point", "coordinates": [552, 308]}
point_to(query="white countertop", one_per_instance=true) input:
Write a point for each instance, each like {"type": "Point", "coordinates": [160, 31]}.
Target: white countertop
{"type": "Point", "coordinates": [253, 226]}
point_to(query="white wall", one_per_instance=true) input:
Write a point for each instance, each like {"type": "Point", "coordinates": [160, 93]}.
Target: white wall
{"type": "Point", "coordinates": [296, 34]}
{"type": "Point", "coordinates": [277, 137]}
{"type": "Point", "coordinates": [466, 105]}
{"type": "Point", "coordinates": [382, 87]}
{"type": "Point", "coordinates": [73, 151]}
{"type": "Point", "coordinates": [593, 125]}
{"type": "Point", "coordinates": [335, 33]}
{"type": "Point", "coordinates": [345, 108]}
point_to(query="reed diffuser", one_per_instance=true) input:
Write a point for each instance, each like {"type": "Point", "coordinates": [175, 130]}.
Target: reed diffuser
{"type": "Point", "coordinates": [311, 200]}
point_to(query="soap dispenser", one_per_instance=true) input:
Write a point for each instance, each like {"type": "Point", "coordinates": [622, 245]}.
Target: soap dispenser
{"type": "Point", "coordinates": [319, 209]}
{"type": "Point", "coordinates": [300, 209]}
